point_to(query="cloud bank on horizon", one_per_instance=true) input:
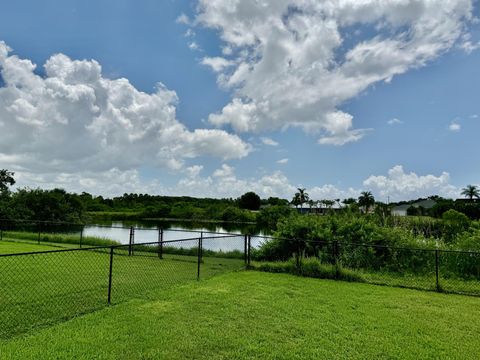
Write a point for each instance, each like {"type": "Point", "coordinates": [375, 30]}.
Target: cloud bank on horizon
{"type": "Point", "coordinates": [287, 64]}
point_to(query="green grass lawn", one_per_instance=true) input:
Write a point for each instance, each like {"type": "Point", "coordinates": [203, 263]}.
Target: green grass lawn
{"type": "Point", "coordinates": [247, 315]}
{"type": "Point", "coordinates": [12, 246]}
{"type": "Point", "coordinates": [45, 288]}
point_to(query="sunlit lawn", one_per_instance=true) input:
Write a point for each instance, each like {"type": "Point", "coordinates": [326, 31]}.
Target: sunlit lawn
{"type": "Point", "coordinates": [245, 315]}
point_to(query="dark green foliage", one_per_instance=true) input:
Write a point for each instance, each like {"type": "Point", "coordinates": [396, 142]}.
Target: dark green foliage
{"type": "Point", "coordinates": [235, 214]}
{"type": "Point", "coordinates": [6, 180]}
{"type": "Point", "coordinates": [45, 205]}
{"type": "Point", "coordinates": [270, 215]}
{"type": "Point", "coordinates": [249, 201]}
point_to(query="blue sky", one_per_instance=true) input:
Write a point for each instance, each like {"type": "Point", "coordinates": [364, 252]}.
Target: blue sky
{"type": "Point", "coordinates": [433, 97]}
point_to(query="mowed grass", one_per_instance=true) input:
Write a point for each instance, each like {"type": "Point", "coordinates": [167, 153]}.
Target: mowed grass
{"type": "Point", "coordinates": [11, 246]}
{"type": "Point", "coordinates": [253, 315]}
{"type": "Point", "coordinates": [44, 288]}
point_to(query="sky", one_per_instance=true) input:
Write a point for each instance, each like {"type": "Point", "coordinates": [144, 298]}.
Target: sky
{"type": "Point", "coordinates": [214, 98]}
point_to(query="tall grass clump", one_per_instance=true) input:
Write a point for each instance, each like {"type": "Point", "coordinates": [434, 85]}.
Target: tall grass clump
{"type": "Point", "coordinates": [309, 267]}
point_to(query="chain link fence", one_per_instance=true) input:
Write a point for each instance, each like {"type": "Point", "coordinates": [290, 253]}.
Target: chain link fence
{"type": "Point", "coordinates": [447, 271]}
{"type": "Point", "coordinates": [40, 288]}
{"type": "Point", "coordinates": [44, 287]}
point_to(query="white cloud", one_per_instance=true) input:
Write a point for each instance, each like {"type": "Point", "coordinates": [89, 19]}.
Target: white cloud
{"type": "Point", "coordinates": [194, 46]}
{"type": "Point", "coordinates": [394, 121]}
{"type": "Point", "coordinates": [454, 126]}
{"type": "Point", "coordinates": [474, 116]}
{"type": "Point", "coordinates": [224, 183]}
{"type": "Point", "coordinates": [399, 185]}
{"type": "Point", "coordinates": [268, 141]}
{"type": "Point", "coordinates": [282, 161]}
{"type": "Point", "coordinates": [225, 171]}
{"type": "Point", "coordinates": [292, 67]}
{"type": "Point", "coordinates": [216, 63]}
{"type": "Point", "coordinates": [183, 19]}
{"type": "Point", "coordinates": [75, 122]}
{"type": "Point", "coordinates": [467, 44]}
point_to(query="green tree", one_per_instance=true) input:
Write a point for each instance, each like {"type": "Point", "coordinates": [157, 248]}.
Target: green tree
{"type": "Point", "coordinates": [250, 201]}
{"type": "Point", "coordinates": [302, 196]}
{"type": "Point", "coordinates": [366, 200]}
{"type": "Point", "coordinates": [296, 200]}
{"type": "Point", "coordinates": [6, 180]}
{"type": "Point", "coordinates": [471, 191]}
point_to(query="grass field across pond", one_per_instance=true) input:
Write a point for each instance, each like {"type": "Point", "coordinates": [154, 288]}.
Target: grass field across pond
{"type": "Point", "coordinates": [253, 315]}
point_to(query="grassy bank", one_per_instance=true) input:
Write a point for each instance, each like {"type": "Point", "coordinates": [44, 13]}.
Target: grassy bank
{"type": "Point", "coordinates": [252, 315]}
{"type": "Point", "coordinates": [58, 239]}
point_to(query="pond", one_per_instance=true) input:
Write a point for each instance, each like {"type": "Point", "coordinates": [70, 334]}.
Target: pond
{"type": "Point", "coordinates": [148, 231]}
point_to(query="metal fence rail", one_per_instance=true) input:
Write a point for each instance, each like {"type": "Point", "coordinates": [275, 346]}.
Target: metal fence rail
{"type": "Point", "coordinates": [44, 287]}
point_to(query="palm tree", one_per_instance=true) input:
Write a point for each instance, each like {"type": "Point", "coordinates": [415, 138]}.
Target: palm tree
{"type": "Point", "coordinates": [366, 200]}
{"type": "Point", "coordinates": [296, 200]}
{"type": "Point", "coordinates": [302, 195]}
{"type": "Point", "coordinates": [471, 191]}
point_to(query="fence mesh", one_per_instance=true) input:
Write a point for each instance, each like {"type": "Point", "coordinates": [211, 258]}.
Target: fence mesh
{"type": "Point", "coordinates": [42, 288]}
{"type": "Point", "coordinates": [426, 269]}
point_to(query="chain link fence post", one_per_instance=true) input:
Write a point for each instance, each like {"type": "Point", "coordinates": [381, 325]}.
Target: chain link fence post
{"type": "Point", "coordinates": [245, 249]}
{"type": "Point", "coordinates": [437, 283]}
{"type": "Point", "coordinates": [160, 243]}
{"type": "Point", "coordinates": [199, 257]}
{"type": "Point", "coordinates": [249, 257]}
{"type": "Point", "coordinates": [131, 241]}
{"type": "Point", "coordinates": [110, 276]}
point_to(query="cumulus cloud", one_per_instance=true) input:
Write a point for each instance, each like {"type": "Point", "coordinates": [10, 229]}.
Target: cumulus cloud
{"type": "Point", "coordinates": [282, 161]}
{"type": "Point", "coordinates": [454, 126]}
{"type": "Point", "coordinates": [216, 63]}
{"type": "Point", "coordinates": [74, 121]}
{"type": "Point", "coordinates": [268, 141]}
{"type": "Point", "coordinates": [290, 63]}
{"type": "Point", "coordinates": [225, 183]}
{"type": "Point", "coordinates": [394, 121]}
{"type": "Point", "coordinates": [183, 19]}
{"type": "Point", "coordinates": [399, 185]}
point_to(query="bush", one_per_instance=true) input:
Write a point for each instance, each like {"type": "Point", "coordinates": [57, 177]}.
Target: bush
{"type": "Point", "coordinates": [271, 215]}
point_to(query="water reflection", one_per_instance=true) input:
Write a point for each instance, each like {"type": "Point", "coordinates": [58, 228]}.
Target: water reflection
{"type": "Point", "coordinates": [147, 231]}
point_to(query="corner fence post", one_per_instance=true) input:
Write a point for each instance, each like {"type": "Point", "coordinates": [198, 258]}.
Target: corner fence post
{"type": "Point", "coordinates": [437, 283]}
{"type": "Point", "coordinates": [199, 257]}
{"type": "Point", "coordinates": [249, 257]}
{"type": "Point", "coordinates": [110, 276]}
{"type": "Point", "coordinates": [245, 249]}
{"type": "Point", "coordinates": [130, 242]}
{"type": "Point", "coordinates": [160, 243]}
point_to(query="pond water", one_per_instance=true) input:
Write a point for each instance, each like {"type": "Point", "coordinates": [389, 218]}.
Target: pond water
{"type": "Point", "coordinates": [148, 231]}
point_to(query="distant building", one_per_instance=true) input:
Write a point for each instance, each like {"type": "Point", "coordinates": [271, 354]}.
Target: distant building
{"type": "Point", "coordinates": [318, 210]}
{"type": "Point", "coordinates": [401, 210]}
